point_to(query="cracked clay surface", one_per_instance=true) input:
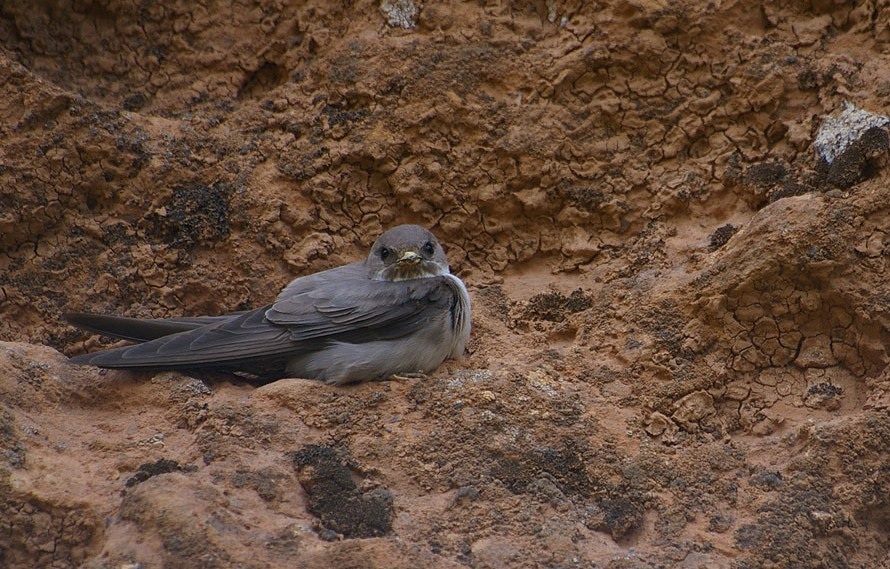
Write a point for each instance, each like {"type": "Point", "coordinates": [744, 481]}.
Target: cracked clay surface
{"type": "Point", "coordinates": [680, 309]}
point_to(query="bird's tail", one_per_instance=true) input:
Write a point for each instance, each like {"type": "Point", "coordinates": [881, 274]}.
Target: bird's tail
{"type": "Point", "coordinates": [138, 329]}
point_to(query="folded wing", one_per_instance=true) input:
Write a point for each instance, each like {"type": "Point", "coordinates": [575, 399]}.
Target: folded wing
{"type": "Point", "coordinates": [227, 342]}
{"type": "Point", "coordinates": [349, 307]}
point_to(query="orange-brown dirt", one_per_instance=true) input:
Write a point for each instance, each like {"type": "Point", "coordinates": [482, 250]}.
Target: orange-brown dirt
{"type": "Point", "coordinates": [679, 354]}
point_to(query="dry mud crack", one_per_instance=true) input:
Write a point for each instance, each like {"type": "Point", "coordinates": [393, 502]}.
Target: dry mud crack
{"type": "Point", "coordinates": [679, 351]}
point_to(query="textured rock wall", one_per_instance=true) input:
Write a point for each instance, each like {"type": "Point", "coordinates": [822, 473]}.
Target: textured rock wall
{"type": "Point", "coordinates": [679, 354]}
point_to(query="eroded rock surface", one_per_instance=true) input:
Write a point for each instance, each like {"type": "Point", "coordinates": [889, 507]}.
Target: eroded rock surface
{"type": "Point", "coordinates": [679, 353]}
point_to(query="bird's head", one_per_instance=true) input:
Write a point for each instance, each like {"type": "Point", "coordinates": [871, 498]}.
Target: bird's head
{"type": "Point", "coordinates": [406, 252]}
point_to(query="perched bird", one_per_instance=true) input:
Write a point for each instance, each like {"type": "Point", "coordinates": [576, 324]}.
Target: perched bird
{"type": "Point", "coordinates": [399, 311]}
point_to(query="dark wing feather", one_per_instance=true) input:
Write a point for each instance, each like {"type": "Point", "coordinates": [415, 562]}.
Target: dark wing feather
{"type": "Point", "coordinates": [240, 339]}
{"type": "Point", "coordinates": [139, 329]}
{"type": "Point", "coordinates": [344, 304]}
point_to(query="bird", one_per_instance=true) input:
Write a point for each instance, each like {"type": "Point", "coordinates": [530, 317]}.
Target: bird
{"type": "Point", "coordinates": [397, 312]}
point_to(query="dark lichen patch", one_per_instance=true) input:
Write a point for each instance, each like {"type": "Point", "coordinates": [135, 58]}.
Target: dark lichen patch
{"type": "Point", "coordinates": [859, 161]}
{"type": "Point", "coordinates": [134, 102]}
{"type": "Point", "coordinates": [825, 396]}
{"type": "Point", "coordinates": [619, 513]}
{"type": "Point", "coordinates": [767, 479]}
{"type": "Point", "coordinates": [790, 188]}
{"type": "Point", "coordinates": [720, 523]}
{"type": "Point", "coordinates": [195, 215]}
{"type": "Point", "coordinates": [766, 173]}
{"type": "Point", "coordinates": [666, 323]}
{"type": "Point", "coordinates": [774, 180]}
{"type": "Point", "coordinates": [587, 198]}
{"type": "Point", "coordinates": [162, 466]}
{"type": "Point", "coordinates": [344, 114]}
{"type": "Point", "coordinates": [825, 389]}
{"type": "Point", "coordinates": [325, 474]}
{"type": "Point", "coordinates": [555, 306]}
{"type": "Point", "coordinates": [721, 236]}
{"type": "Point", "coordinates": [800, 528]}
{"type": "Point", "coordinates": [563, 466]}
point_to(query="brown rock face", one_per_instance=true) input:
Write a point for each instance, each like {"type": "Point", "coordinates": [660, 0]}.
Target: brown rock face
{"type": "Point", "coordinates": [681, 312]}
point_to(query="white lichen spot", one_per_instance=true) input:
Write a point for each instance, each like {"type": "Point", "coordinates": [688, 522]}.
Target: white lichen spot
{"type": "Point", "coordinates": [400, 13]}
{"type": "Point", "coordinates": [551, 11]}
{"type": "Point", "coordinates": [842, 129]}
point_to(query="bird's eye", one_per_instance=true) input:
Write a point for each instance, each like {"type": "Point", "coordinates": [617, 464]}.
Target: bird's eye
{"type": "Point", "coordinates": [428, 248]}
{"type": "Point", "coordinates": [384, 253]}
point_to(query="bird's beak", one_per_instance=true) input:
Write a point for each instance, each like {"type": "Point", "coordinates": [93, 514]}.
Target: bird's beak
{"type": "Point", "coordinates": [409, 258]}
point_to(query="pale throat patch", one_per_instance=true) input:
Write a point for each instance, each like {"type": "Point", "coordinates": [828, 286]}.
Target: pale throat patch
{"type": "Point", "coordinates": [421, 270]}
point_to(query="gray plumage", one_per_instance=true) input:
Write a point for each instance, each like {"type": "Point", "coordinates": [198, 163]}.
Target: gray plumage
{"type": "Point", "coordinates": [400, 310]}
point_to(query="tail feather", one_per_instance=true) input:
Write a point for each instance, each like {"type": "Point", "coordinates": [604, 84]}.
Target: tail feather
{"type": "Point", "coordinates": [138, 329]}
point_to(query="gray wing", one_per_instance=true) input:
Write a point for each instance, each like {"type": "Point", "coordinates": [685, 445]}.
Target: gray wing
{"type": "Point", "coordinates": [229, 342]}
{"type": "Point", "coordinates": [345, 305]}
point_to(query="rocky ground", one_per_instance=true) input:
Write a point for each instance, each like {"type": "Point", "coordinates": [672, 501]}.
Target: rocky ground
{"type": "Point", "coordinates": [679, 351]}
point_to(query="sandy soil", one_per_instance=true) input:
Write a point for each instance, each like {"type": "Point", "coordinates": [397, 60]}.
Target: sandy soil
{"type": "Point", "coordinates": [679, 353]}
